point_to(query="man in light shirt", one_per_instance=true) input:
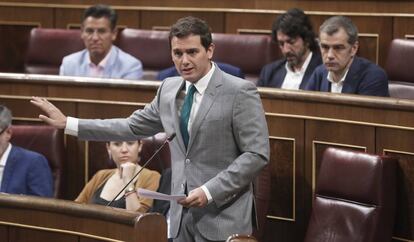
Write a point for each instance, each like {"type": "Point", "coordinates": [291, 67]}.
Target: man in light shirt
{"type": "Point", "coordinates": [100, 58]}
{"type": "Point", "coordinates": [222, 140]}
{"type": "Point", "coordinates": [294, 34]}
{"type": "Point", "coordinates": [343, 71]}
{"type": "Point", "coordinates": [21, 171]}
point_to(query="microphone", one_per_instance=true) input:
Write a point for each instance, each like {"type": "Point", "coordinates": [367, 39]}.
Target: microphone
{"type": "Point", "coordinates": [169, 139]}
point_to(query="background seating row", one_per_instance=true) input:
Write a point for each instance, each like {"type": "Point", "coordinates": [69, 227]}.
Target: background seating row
{"type": "Point", "coordinates": [47, 47]}
{"type": "Point", "coordinates": [251, 52]}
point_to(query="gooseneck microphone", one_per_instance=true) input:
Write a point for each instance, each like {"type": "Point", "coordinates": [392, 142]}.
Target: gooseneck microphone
{"type": "Point", "coordinates": [169, 139]}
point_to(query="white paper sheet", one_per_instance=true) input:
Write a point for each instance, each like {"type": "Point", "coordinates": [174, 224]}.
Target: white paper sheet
{"type": "Point", "coordinates": [157, 195]}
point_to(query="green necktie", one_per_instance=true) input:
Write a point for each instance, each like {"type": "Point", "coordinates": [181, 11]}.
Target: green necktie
{"type": "Point", "coordinates": [185, 113]}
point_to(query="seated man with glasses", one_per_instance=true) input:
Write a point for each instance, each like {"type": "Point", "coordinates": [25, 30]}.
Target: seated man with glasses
{"type": "Point", "coordinates": [294, 34]}
{"type": "Point", "coordinates": [100, 58]}
{"type": "Point", "coordinates": [21, 171]}
{"type": "Point", "coordinates": [343, 71]}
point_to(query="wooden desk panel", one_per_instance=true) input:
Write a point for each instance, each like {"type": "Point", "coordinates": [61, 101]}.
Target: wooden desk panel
{"type": "Point", "coordinates": [45, 219]}
{"type": "Point", "coordinates": [301, 125]}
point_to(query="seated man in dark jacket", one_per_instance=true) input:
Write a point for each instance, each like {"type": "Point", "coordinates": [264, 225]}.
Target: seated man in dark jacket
{"type": "Point", "coordinates": [21, 171]}
{"type": "Point", "coordinates": [294, 34]}
{"type": "Point", "coordinates": [343, 71]}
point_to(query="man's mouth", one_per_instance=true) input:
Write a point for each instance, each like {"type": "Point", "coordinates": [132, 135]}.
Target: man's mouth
{"type": "Point", "coordinates": [186, 70]}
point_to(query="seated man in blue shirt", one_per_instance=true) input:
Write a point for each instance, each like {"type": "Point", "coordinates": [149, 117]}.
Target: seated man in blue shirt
{"type": "Point", "coordinates": [100, 58]}
{"type": "Point", "coordinates": [343, 71]}
{"type": "Point", "coordinates": [21, 171]}
{"type": "Point", "coordinates": [294, 33]}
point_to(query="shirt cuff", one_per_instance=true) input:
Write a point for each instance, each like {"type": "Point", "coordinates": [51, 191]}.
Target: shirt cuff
{"type": "Point", "coordinates": [72, 126]}
{"type": "Point", "coordinates": [208, 195]}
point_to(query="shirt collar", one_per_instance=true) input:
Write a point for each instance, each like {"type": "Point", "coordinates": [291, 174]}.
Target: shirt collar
{"type": "Point", "coordinates": [201, 85]}
{"type": "Point", "coordinates": [341, 82]}
{"type": "Point", "coordinates": [5, 155]}
{"type": "Point", "coordinates": [103, 62]}
{"type": "Point", "coordinates": [304, 66]}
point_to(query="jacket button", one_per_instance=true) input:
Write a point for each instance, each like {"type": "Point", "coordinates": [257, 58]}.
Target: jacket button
{"type": "Point", "coordinates": [187, 161]}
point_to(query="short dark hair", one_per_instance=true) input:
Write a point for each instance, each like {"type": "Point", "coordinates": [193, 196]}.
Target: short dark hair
{"type": "Point", "coordinates": [295, 23]}
{"type": "Point", "coordinates": [333, 24]}
{"type": "Point", "coordinates": [99, 11]}
{"type": "Point", "coordinates": [192, 26]}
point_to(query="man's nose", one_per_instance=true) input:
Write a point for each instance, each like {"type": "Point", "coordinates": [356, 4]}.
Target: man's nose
{"type": "Point", "coordinates": [286, 48]}
{"type": "Point", "coordinates": [95, 35]}
{"type": "Point", "coordinates": [185, 59]}
{"type": "Point", "coordinates": [330, 53]}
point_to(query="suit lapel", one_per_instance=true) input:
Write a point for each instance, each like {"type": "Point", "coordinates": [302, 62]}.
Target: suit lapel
{"type": "Point", "coordinates": [350, 83]}
{"type": "Point", "coordinates": [326, 84]}
{"type": "Point", "coordinates": [8, 169]}
{"type": "Point", "coordinates": [174, 111]}
{"type": "Point", "coordinates": [208, 99]}
{"type": "Point", "coordinates": [280, 76]}
{"type": "Point", "coordinates": [113, 55]}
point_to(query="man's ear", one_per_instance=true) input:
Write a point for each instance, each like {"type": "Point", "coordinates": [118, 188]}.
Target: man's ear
{"type": "Point", "coordinates": [354, 48]}
{"type": "Point", "coordinates": [8, 133]}
{"type": "Point", "coordinates": [210, 51]}
{"type": "Point", "coordinates": [114, 34]}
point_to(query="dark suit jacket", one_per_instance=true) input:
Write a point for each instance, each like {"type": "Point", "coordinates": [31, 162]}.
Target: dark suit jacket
{"type": "Point", "coordinates": [273, 74]}
{"type": "Point", "coordinates": [28, 173]}
{"type": "Point", "coordinates": [364, 77]}
{"type": "Point", "coordinates": [227, 68]}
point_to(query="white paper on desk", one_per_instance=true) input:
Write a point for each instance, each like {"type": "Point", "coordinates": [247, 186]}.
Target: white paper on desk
{"type": "Point", "coordinates": [160, 196]}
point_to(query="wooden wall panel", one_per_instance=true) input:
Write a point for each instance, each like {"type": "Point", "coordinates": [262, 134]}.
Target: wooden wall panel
{"type": "Point", "coordinates": [102, 93]}
{"type": "Point", "coordinates": [387, 6]}
{"type": "Point", "coordinates": [403, 26]}
{"type": "Point", "coordinates": [22, 235]}
{"type": "Point", "coordinates": [403, 148]}
{"type": "Point", "coordinates": [286, 206]}
{"type": "Point", "coordinates": [68, 18]}
{"type": "Point", "coordinates": [381, 26]}
{"type": "Point", "coordinates": [161, 20]}
{"type": "Point", "coordinates": [4, 233]}
{"type": "Point", "coordinates": [13, 45]}
{"type": "Point", "coordinates": [27, 16]}
{"type": "Point", "coordinates": [15, 26]}
{"type": "Point", "coordinates": [129, 19]}
{"type": "Point", "coordinates": [245, 21]}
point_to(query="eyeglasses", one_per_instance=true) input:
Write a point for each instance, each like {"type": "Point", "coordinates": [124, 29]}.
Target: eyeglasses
{"type": "Point", "coordinates": [89, 32]}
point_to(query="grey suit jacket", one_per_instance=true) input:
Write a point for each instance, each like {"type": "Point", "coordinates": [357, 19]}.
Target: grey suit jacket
{"type": "Point", "coordinates": [228, 147]}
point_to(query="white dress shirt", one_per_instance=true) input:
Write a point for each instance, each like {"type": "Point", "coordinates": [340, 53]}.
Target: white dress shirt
{"type": "Point", "coordinates": [98, 70]}
{"type": "Point", "coordinates": [293, 78]}
{"type": "Point", "coordinates": [3, 161]}
{"type": "Point", "coordinates": [336, 87]}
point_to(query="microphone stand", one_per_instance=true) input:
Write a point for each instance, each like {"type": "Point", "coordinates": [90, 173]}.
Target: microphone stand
{"type": "Point", "coordinates": [171, 137]}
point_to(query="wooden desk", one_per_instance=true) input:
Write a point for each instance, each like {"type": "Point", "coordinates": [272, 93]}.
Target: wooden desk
{"type": "Point", "coordinates": [35, 219]}
{"type": "Point", "coordinates": [301, 125]}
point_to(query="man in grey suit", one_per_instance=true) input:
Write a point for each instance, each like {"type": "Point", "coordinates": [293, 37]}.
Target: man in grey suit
{"type": "Point", "coordinates": [221, 144]}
